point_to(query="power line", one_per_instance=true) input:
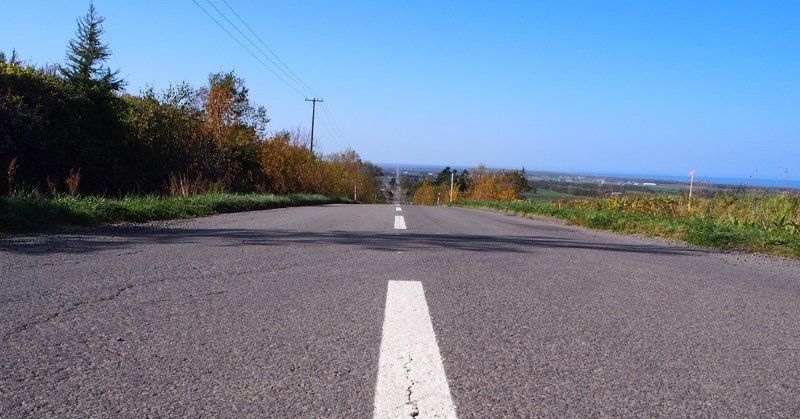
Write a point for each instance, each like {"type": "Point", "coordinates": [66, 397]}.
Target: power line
{"type": "Point", "coordinates": [295, 82]}
{"type": "Point", "coordinates": [291, 74]}
{"type": "Point", "coordinates": [328, 127]}
{"type": "Point", "coordinates": [326, 122]}
{"type": "Point", "coordinates": [337, 132]}
{"type": "Point", "coordinates": [244, 46]}
{"type": "Point", "coordinates": [247, 38]}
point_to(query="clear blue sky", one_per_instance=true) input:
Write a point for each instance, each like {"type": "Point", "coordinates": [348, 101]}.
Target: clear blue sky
{"type": "Point", "coordinates": [651, 87]}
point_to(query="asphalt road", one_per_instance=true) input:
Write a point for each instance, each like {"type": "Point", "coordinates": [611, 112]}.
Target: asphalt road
{"type": "Point", "coordinates": [280, 314]}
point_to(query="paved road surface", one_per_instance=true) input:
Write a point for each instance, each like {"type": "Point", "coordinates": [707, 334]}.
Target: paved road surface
{"type": "Point", "coordinates": [281, 314]}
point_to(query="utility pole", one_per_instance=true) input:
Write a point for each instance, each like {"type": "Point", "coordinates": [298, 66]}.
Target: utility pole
{"type": "Point", "coordinates": [313, 114]}
{"type": "Point", "coordinates": [452, 178]}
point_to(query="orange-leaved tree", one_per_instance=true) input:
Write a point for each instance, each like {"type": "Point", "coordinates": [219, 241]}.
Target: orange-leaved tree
{"type": "Point", "coordinates": [500, 186]}
{"type": "Point", "coordinates": [425, 194]}
{"type": "Point", "coordinates": [360, 177]}
{"type": "Point", "coordinates": [236, 127]}
{"type": "Point", "coordinates": [285, 167]}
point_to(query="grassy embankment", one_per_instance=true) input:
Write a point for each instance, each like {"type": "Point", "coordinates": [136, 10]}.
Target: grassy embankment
{"type": "Point", "coordinates": [766, 224]}
{"type": "Point", "coordinates": [37, 213]}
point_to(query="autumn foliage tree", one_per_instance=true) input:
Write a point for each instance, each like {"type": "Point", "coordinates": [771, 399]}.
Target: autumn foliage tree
{"type": "Point", "coordinates": [286, 167]}
{"type": "Point", "coordinates": [359, 176]}
{"type": "Point", "coordinates": [480, 184]}
{"type": "Point", "coordinates": [497, 185]}
{"type": "Point", "coordinates": [425, 194]}
{"type": "Point", "coordinates": [236, 126]}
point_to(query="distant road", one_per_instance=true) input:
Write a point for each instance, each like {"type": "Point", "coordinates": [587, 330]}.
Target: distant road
{"type": "Point", "coordinates": [282, 313]}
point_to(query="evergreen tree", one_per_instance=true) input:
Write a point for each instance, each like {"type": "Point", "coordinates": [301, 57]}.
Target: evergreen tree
{"type": "Point", "coordinates": [463, 181]}
{"type": "Point", "coordinates": [87, 54]}
{"type": "Point", "coordinates": [443, 178]}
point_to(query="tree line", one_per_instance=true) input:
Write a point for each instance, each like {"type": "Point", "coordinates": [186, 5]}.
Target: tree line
{"type": "Point", "coordinates": [71, 129]}
{"type": "Point", "coordinates": [480, 184]}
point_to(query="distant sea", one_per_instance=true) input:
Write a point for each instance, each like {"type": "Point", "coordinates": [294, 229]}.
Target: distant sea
{"type": "Point", "coordinates": [769, 183]}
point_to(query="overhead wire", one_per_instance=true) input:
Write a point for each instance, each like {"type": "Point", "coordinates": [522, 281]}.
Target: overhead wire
{"type": "Point", "coordinates": [329, 127]}
{"type": "Point", "coordinates": [329, 115]}
{"type": "Point", "coordinates": [295, 82]}
{"type": "Point", "coordinates": [329, 130]}
{"type": "Point", "coordinates": [288, 71]}
{"type": "Point", "coordinates": [245, 47]}
{"type": "Point", "coordinates": [339, 135]}
{"type": "Point", "coordinates": [255, 46]}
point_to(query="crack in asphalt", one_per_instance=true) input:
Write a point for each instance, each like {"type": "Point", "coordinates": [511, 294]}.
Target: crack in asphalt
{"type": "Point", "coordinates": [74, 306]}
{"type": "Point", "coordinates": [71, 308]}
{"type": "Point", "coordinates": [411, 402]}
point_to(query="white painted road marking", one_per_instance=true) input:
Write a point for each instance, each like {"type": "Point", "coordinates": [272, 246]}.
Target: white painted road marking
{"type": "Point", "coordinates": [399, 222]}
{"type": "Point", "coordinates": [398, 209]}
{"type": "Point", "coordinates": [411, 378]}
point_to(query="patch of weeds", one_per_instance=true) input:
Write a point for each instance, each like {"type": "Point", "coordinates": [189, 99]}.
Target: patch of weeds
{"type": "Point", "coordinates": [705, 233]}
{"type": "Point", "coordinates": [601, 221]}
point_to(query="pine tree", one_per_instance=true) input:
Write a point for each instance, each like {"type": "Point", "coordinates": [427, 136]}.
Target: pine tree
{"type": "Point", "coordinates": [87, 54]}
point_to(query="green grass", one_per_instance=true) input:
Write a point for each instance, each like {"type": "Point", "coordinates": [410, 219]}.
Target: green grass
{"type": "Point", "coordinates": [30, 213]}
{"type": "Point", "coordinates": [760, 224]}
{"type": "Point", "coordinates": [547, 195]}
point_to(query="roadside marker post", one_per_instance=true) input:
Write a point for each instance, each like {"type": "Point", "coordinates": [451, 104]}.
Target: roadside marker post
{"type": "Point", "coordinates": [691, 186]}
{"type": "Point", "coordinates": [452, 178]}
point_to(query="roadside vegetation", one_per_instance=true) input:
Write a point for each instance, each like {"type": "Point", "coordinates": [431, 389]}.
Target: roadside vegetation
{"type": "Point", "coordinates": [38, 213]}
{"type": "Point", "coordinates": [765, 224]}
{"type": "Point", "coordinates": [546, 195]}
{"type": "Point", "coordinates": [75, 147]}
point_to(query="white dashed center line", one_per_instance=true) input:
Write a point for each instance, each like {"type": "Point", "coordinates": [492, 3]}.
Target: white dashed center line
{"type": "Point", "coordinates": [399, 222]}
{"type": "Point", "coordinates": [411, 378]}
{"type": "Point", "coordinates": [398, 209]}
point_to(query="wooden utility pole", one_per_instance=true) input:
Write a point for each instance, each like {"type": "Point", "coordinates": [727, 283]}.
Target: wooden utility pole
{"type": "Point", "coordinates": [313, 114]}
